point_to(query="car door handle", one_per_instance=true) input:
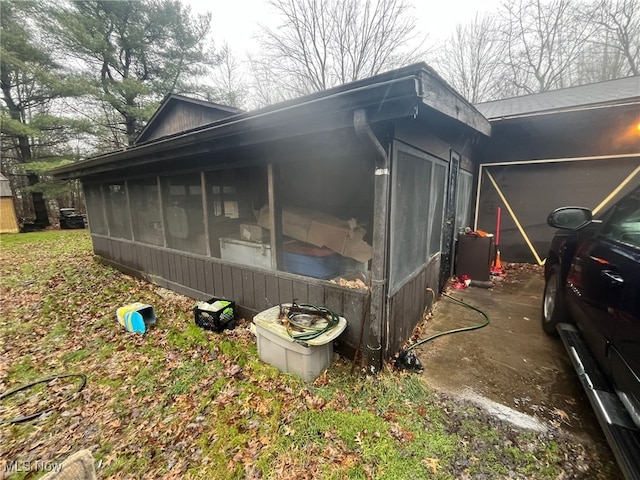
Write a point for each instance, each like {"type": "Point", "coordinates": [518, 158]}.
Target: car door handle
{"type": "Point", "coordinates": [613, 277]}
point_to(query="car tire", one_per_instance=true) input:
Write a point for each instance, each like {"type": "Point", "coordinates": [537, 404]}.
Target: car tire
{"type": "Point", "coordinates": [553, 311]}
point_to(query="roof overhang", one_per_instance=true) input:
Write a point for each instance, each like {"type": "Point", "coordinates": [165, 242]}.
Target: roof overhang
{"type": "Point", "coordinates": [575, 109]}
{"type": "Point", "coordinates": [392, 95]}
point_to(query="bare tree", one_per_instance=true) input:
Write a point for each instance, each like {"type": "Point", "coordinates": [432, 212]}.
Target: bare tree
{"type": "Point", "coordinates": [323, 43]}
{"type": "Point", "coordinates": [230, 83]}
{"type": "Point", "coordinates": [265, 89]}
{"type": "Point", "coordinates": [472, 60]}
{"type": "Point", "coordinates": [536, 45]}
{"type": "Point", "coordinates": [619, 35]}
{"type": "Point", "coordinates": [544, 43]}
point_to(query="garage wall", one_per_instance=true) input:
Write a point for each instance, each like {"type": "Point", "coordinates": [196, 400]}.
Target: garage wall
{"type": "Point", "coordinates": [537, 163]}
{"type": "Point", "coordinates": [528, 192]}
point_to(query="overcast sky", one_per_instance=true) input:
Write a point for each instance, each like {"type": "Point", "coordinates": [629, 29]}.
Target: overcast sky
{"type": "Point", "coordinates": [237, 21]}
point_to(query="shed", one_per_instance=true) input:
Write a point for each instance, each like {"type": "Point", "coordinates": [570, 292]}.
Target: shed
{"type": "Point", "coordinates": [573, 146]}
{"type": "Point", "coordinates": [8, 219]}
{"type": "Point", "coordinates": [379, 170]}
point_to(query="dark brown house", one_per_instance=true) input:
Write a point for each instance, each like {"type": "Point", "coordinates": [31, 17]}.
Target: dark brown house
{"type": "Point", "coordinates": [379, 170]}
{"type": "Point", "coordinates": [574, 146]}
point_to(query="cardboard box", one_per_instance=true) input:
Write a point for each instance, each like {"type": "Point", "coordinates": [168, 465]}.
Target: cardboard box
{"type": "Point", "coordinates": [252, 232]}
{"type": "Point", "coordinates": [322, 230]}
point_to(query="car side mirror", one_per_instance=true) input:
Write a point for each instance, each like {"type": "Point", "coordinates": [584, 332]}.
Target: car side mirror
{"type": "Point", "coordinates": [570, 218]}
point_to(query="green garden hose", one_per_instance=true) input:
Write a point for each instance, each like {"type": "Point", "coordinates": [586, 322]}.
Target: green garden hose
{"type": "Point", "coordinates": [310, 332]}
{"type": "Point", "coordinates": [455, 330]}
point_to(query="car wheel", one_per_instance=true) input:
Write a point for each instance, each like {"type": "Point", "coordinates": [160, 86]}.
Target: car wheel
{"type": "Point", "coordinates": [553, 311]}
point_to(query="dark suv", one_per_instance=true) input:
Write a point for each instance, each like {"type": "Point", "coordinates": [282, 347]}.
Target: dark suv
{"type": "Point", "coordinates": [70, 218]}
{"type": "Point", "coordinates": [592, 300]}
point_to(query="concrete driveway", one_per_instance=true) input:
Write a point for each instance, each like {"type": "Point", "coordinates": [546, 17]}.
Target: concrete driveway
{"type": "Point", "coordinates": [509, 366]}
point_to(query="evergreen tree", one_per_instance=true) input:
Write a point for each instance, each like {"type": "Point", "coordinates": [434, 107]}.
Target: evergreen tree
{"type": "Point", "coordinates": [136, 53]}
{"type": "Point", "coordinates": [35, 132]}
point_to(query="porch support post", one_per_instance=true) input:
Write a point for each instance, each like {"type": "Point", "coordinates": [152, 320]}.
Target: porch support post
{"type": "Point", "coordinates": [275, 220]}
{"type": "Point", "coordinates": [379, 278]}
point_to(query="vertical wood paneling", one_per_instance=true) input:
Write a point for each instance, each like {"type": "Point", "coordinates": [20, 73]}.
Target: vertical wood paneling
{"type": "Point", "coordinates": [236, 281]}
{"type": "Point", "coordinates": [107, 249]}
{"type": "Point", "coordinates": [180, 274]}
{"type": "Point", "coordinates": [407, 305]}
{"type": "Point", "coordinates": [121, 253]}
{"type": "Point", "coordinates": [227, 282]}
{"type": "Point", "coordinates": [272, 291]}
{"type": "Point", "coordinates": [352, 311]}
{"type": "Point", "coordinates": [193, 273]}
{"type": "Point", "coordinates": [128, 254]}
{"type": "Point", "coordinates": [151, 259]}
{"type": "Point", "coordinates": [156, 260]}
{"type": "Point", "coordinates": [115, 252]}
{"type": "Point", "coordinates": [189, 272]}
{"type": "Point", "coordinates": [260, 291]}
{"type": "Point", "coordinates": [285, 287]}
{"type": "Point", "coordinates": [174, 274]}
{"type": "Point", "coordinates": [122, 248]}
{"type": "Point", "coordinates": [166, 267]}
{"type": "Point", "coordinates": [140, 262]}
{"type": "Point", "coordinates": [128, 250]}
{"type": "Point", "coordinates": [316, 294]}
{"type": "Point", "coordinates": [176, 268]}
{"type": "Point", "coordinates": [112, 249]}
{"type": "Point", "coordinates": [248, 291]}
{"type": "Point", "coordinates": [159, 262]}
{"type": "Point", "coordinates": [97, 246]}
{"type": "Point", "coordinates": [300, 292]}
{"type": "Point", "coordinates": [217, 280]}
{"type": "Point", "coordinates": [139, 258]}
{"type": "Point", "coordinates": [333, 299]}
{"type": "Point", "coordinates": [208, 278]}
{"type": "Point", "coordinates": [202, 286]}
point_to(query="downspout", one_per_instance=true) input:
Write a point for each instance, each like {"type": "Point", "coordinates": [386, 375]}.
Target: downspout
{"type": "Point", "coordinates": [380, 238]}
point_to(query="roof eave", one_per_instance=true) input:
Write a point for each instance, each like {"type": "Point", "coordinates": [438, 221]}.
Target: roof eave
{"type": "Point", "coordinates": [267, 122]}
{"type": "Point", "coordinates": [577, 108]}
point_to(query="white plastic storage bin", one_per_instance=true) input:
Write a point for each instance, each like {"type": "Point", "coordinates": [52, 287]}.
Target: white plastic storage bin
{"type": "Point", "coordinates": [246, 253]}
{"type": "Point", "coordinates": [291, 357]}
{"type": "Point", "coordinates": [277, 348]}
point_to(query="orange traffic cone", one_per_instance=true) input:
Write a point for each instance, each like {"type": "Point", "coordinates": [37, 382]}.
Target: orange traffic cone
{"type": "Point", "coordinates": [496, 268]}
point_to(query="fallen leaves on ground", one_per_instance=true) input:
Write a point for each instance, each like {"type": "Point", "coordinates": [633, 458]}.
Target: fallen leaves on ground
{"type": "Point", "coordinates": [181, 402]}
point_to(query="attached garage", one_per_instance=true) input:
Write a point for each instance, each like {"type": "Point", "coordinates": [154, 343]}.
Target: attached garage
{"type": "Point", "coordinates": [575, 146]}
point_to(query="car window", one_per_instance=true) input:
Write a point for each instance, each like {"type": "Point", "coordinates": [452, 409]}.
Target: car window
{"type": "Point", "coordinates": [624, 223]}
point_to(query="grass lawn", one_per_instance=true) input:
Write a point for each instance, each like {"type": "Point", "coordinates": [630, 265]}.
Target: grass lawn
{"type": "Point", "coordinates": [181, 402]}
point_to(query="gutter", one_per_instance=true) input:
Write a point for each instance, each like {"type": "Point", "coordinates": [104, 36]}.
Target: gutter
{"type": "Point", "coordinates": [380, 236]}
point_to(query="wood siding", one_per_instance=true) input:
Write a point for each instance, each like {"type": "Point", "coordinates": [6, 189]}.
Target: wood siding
{"type": "Point", "coordinates": [8, 220]}
{"type": "Point", "coordinates": [406, 307]}
{"type": "Point", "coordinates": [252, 289]}
{"type": "Point", "coordinates": [183, 116]}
